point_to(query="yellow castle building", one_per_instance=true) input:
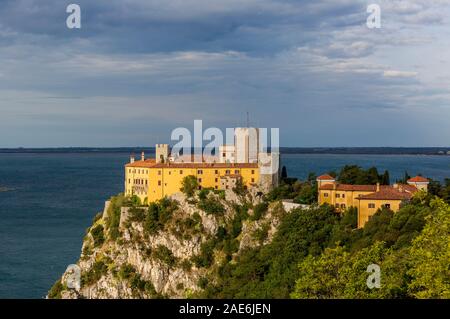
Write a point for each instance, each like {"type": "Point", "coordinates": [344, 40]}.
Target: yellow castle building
{"type": "Point", "coordinates": [155, 178]}
{"type": "Point", "coordinates": [367, 199]}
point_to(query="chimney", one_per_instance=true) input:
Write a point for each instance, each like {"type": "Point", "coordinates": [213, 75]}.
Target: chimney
{"type": "Point", "coordinates": [132, 158]}
{"type": "Point", "coordinates": [378, 187]}
{"type": "Point", "coordinates": [142, 156]}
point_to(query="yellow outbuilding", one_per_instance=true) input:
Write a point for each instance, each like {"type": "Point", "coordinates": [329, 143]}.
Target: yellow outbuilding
{"type": "Point", "coordinates": [367, 199]}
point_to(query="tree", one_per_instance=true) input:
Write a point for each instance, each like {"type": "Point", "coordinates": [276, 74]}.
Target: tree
{"type": "Point", "coordinates": [405, 178]}
{"type": "Point", "coordinates": [370, 177]}
{"type": "Point", "coordinates": [385, 180]}
{"type": "Point", "coordinates": [189, 185]}
{"type": "Point", "coordinates": [312, 177]}
{"type": "Point", "coordinates": [307, 194]}
{"type": "Point", "coordinates": [445, 192]}
{"type": "Point", "coordinates": [430, 255]}
{"type": "Point", "coordinates": [339, 274]}
{"type": "Point", "coordinates": [239, 188]}
{"type": "Point", "coordinates": [353, 174]}
{"type": "Point", "coordinates": [284, 172]}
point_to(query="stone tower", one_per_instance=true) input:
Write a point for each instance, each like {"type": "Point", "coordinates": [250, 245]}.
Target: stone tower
{"type": "Point", "coordinates": [162, 153]}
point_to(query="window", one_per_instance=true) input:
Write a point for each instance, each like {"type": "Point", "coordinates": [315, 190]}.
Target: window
{"type": "Point", "coordinates": [236, 171]}
{"type": "Point", "coordinates": [388, 206]}
{"type": "Point", "coordinates": [129, 181]}
{"type": "Point", "coordinates": [170, 172]}
{"type": "Point", "coordinates": [217, 180]}
{"type": "Point", "coordinates": [159, 172]}
{"type": "Point", "coordinates": [343, 206]}
{"type": "Point", "coordinates": [146, 182]}
{"type": "Point", "coordinates": [343, 195]}
{"type": "Point", "coordinates": [199, 180]}
{"type": "Point", "coordinates": [181, 172]}
{"type": "Point", "coordinates": [223, 154]}
{"type": "Point", "coordinates": [159, 183]}
{"type": "Point", "coordinates": [325, 194]}
{"type": "Point", "coordinates": [227, 171]}
{"type": "Point", "coordinates": [337, 205]}
{"type": "Point", "coordinates": [199, 187]}
{"type": "Point", "coordinates": [338, 195]}
{"type": "Point", "coordinates": [199, 172]}
{"type": "Point", "coordinates": [216, 187]}
{"type": "Point", "coordinates": [253, 180]}
{"type": "Point", "coordinates": [371, 205]}
{"type": "Point", "coordinates": [216, 172]}
{"type": "Point", "coordinates": [253, 171]}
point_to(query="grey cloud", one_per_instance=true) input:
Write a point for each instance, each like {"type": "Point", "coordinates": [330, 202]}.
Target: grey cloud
{"type": "Point", "coordinates": [292, 64]}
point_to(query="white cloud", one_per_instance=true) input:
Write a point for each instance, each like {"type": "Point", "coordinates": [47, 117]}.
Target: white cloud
{"type": "Point", "coordinates": [399, 74]}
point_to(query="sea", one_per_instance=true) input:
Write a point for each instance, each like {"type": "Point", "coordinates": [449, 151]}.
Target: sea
{"type": "Point", "coordinates": [47, 200]}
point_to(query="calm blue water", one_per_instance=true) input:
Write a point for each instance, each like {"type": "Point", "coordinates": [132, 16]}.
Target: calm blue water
{"type": "Point", "coordinates": [52, 199]}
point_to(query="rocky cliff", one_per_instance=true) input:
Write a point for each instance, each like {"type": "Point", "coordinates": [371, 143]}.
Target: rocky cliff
{"type": "Point", "coordinates": [169, 249]}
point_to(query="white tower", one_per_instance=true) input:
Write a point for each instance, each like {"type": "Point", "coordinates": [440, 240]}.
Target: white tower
{"type": "Point", "coordinates": [247, 144]}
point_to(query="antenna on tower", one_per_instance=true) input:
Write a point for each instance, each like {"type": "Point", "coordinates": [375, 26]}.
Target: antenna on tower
{"type": "Point", "coordinates": [248, 120]}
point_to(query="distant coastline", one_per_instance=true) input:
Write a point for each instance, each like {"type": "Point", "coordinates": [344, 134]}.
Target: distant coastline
{"type": "Point", "coordinates": [443, 151]}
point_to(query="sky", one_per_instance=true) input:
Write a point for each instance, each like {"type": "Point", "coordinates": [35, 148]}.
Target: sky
{"type": "Point", "coordinates": [137, 69]}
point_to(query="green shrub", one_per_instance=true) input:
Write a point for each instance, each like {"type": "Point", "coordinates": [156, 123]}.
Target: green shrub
{"type": "Point", "coordinates": [259, 210]}
{"type": "Point", "coordinates": [262, 233]}
{"type": "Point", "coordinates": [56, 290]}
{"type": "Point", "coordinates": [158, 214]}
{"type": "Point", "coordinates": [165, 255]}
{"type": "Point", "coordinates": [136, 214]}
{"type": "Point", "coordinates": [186, 265]}
{"type": "Point", "coordinates": [126, 271]}
{"type": "Point", "coordinates": [239, 188]}
{"type": "Point", "coordinates": [113, 216]}
{"type": "Point", "coordinates": [202, 282]}
{"type": "Point", "coordinates": [98, 269]}
{"type": "Point", "coordinates": [180, 286]}
{"type": "Point", "coordinates": [203, 194]}
{"type": "Point", "coordinates": [206, 256]}
{"type": "Point", "coordinates": [132, 201]}
{"type": "Point", "coordinates": [211, 206]}
{"type": "Point", "coordinates": [189, 185]}
{"type": "Point", "coordinates": [97, 217]}
{"type": "Point", "coordinates": [220, 192]}
{"type": "Point", "coordinates": [97, 235]}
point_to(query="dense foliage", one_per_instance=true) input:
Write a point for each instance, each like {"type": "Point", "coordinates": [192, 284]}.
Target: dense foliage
{"type": "Point", "coordinates": [300, 192]}
{"type": "Point", "coordinates": [189, 185]}
{"type": "Point", "coordinates": [270, 271]}
{"type": "Point", "coordinates": [158, 214]}
{"type": "Point", "coordinates": [411, 249]}
{"type": "Point", "coordinates": [353, 174]}
{"type": "Point", "coordinates": [318, 253]}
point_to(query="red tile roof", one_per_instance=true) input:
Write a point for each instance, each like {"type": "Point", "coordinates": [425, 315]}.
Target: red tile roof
{"type": "Point", "coordinates": [325, 177]}
{"type": "Point", "coordinates": [347, 187]}
{"type": "Point", "coordinates": [387, 193]}
{"type": "Point", "coordinates": [150, 163]}
{"type": "Point", "coordinates": [418, 179]}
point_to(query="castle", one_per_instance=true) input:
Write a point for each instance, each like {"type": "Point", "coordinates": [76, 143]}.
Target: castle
{"type": "Point", "coordinates": [367, 198]}
{"type": "Point", "coordinates": [151, 179]}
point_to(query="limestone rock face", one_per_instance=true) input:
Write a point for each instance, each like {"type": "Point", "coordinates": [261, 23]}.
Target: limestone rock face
{"type": "Point", "coordinates": [159, 257]}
